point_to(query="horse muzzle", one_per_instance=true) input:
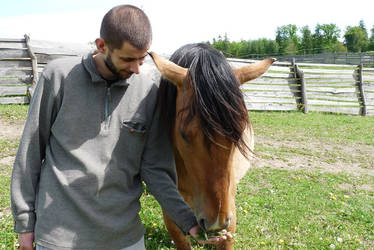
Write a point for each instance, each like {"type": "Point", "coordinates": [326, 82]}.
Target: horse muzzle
{"type": "Point", "coordinates": [221, 222]}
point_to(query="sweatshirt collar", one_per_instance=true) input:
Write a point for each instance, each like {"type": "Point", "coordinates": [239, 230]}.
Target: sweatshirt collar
{"type": "Point", "coordinates": [89, 65]}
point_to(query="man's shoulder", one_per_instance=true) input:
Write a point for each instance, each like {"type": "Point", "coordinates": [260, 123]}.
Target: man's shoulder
{"type": "Point", "coordinates": [62, 66]}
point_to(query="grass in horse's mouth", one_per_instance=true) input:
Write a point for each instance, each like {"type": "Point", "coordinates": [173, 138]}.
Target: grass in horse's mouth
{"type": "Point", "coordinates": [203, 235]}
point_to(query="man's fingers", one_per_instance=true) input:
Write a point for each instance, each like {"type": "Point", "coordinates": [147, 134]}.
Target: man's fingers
{"type": "Point", "coordinates": [26, 241]}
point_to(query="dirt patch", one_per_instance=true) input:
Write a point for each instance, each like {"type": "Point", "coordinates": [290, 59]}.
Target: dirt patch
{"type": "Point", "coordinates": [11, 130]}
{"type": "Point", "coordinates": [311, 154]}
{"type": "Point", "coordinates": [7, 160]}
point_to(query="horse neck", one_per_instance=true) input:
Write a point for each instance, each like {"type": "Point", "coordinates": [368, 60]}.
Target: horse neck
{"type": "Point", "coordinates": [241, 163]}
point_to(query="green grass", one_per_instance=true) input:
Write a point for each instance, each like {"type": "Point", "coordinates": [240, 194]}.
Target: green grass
{"type": "Point", "coordinates": [332, 127]}
{"type": "Point", "coordinates": [290, 209]}
{"type": "Point", "coordinates": [13, 112]}
{"type": "Point", "coordinates": [303, 210]}
{"type": "Point", "coordinates": [7, 237]}
{"type": "Point", "coordinates": [8, 147]}
{"type": "Point", "coordinates": [277, 209]}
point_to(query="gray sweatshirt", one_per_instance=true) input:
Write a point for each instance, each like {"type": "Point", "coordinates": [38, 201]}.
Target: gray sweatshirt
{"type": "Point", "coordinates": [85, 149]}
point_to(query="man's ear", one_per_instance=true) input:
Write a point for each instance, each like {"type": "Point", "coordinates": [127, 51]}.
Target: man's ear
{"type": "Point", "coordinates": [101, 45]}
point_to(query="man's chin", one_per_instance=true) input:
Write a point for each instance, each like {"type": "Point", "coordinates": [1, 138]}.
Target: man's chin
{"type": "Point", "coordinates": [124, 76]}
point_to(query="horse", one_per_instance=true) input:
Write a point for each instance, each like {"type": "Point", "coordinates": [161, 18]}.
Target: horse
{"type": "Point", "coordinates": [211, 133]}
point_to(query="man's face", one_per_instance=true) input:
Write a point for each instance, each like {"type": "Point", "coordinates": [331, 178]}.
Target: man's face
{"type": "Point", "coordinates": [125, 61]}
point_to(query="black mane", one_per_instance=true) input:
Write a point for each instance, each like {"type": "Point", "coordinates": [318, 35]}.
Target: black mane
{"type": "Point", "coordinates": [217, 100]}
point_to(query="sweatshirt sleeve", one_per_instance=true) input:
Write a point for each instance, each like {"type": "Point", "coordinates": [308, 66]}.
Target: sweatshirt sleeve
{"type": "Point", "coordinates": [30, 156]}
{"type": "Point", "coordinates": [159, 173]}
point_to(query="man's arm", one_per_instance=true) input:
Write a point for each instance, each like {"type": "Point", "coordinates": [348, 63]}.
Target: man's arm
{"type": "Point", "coordinates": [30, 156]}
{"type": "Point", "coordinates": [159, 173]}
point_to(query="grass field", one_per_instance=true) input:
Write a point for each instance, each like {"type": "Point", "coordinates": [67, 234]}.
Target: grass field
{"type": "Point", "coordinates": [327, 203]}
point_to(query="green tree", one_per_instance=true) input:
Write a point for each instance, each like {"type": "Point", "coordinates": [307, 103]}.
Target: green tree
{"type": "Point", "coordinates": [306, 44]}
{"type": "Point", "coordinates": [371, 40]}
{"type": "Point", "coordinates": [222, 44]}
{"type": "Point", "coordinates": [287, 39]}
{"type": "Point", "coordinates": [325, 37]}
{"type": "Point", "coordinates": [356, 40]}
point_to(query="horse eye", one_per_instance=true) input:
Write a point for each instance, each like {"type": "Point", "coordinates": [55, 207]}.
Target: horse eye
{"type": "Point", "coordinates": [184, 136]}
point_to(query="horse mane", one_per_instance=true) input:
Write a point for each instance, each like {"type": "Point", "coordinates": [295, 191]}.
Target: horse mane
{"type": "Point", "coordinates": [217, 99]}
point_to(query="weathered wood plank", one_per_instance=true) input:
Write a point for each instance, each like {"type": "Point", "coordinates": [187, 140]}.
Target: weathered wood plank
{"type": "Point", "coordinates": [270, 106]}
{"type": "Point", "coordinates": [18, 90]}
{"type": "Point", "coordinates": [270, 81]}
{"type": "Point", "coordinates": [277, 75]}
{"type": "Point", "coordinates": [369, 88]}
{"type": "Point", "coordinates": [4, 44]}
{"type": "Point", "coordinates": [22, 80]}
{"type": "Point", "coordinates": [342, 110]}
{"type": "Point", "coordinates": [6, 72]}
{"type": "Point", "coordinates": [14, 100]}
{"type": "Point", "coordinates": [12, 40]}
{"type": "Point", "coordinates": [279, 69]}
{"type": "Point", "coordinates": [11, 53]}
{"type": "Point", "coordinates": [340, 98]}
{"type": "Point", "coordinates": [329, 71]}
{"type": "Point", "coordinates": [368, 71]}
{"type": "Point", "coordinates": [269, 94]}
{"type": "Point", "coordinates": [332, 90]}
{"type": "Point", "coordinates": [334, 66]}
{"type": "Point", "coordinates": [332, 84]}
{"type": "Point", "coordinates": [257, 99]}
{"type": "Point", "coordinates": [368, 78]}
{"type": "Point", "coordinates": [329, 77]}
{"type": "Point", "coordinates": [332, 103]}
{"type": "Point", "coordinates": [369, 95]}
{"type": "Point", "coordinates": [333, 95]}
{"type": "Point", "coordinates": [269, 88]}
{"type": "Point", "coordinates": [15, 64]}
{"type": "Point", "coordinates": [34, 65]}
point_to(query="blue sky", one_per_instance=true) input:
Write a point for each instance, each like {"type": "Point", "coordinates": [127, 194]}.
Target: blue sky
{"type": "Point", "coordinates": [178, 22]}
{"type": "Point", "coordinates": [26, 7]}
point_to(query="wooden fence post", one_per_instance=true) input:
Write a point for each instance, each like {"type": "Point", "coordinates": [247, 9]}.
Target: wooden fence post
{"type": "Point", "coordinates": [298, 74]}
{"type": "Point", "coordinates": [34, 63]}
{"type": "Point", "coordinates": [360, 81]}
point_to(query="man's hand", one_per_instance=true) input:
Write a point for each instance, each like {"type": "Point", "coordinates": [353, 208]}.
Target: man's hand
{"type": "Point", "coordinates": [26, 241]}
{"type": "Point", "coordinates": [196, 231]}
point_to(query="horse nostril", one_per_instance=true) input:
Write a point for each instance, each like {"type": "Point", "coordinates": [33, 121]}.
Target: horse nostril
{"type": "Point", "coordinates": [228, 222]}
{"type": "Point", "coordinates": [202, 224]}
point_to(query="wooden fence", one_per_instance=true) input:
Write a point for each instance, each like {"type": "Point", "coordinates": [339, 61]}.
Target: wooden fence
{"type": "Point", "coordinates": [365, 58]}
{"type": "Point", "coordinates": [20, 67]}
{"type": "Point", "coordinates": [334, 88]}
{"type": "Point", "coordinates": [311, 87]}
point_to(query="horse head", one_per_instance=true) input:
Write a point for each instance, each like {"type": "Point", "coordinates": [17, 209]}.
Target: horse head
{"type": "Point", "coordinates": [206, 116]}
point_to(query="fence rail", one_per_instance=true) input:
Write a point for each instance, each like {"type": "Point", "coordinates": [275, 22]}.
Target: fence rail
{"type": "Point", "coordinates": [307, 87]}
{"type": "Point", "coordinates": [337, 88]}
{"type": "Point", "coordinates": [365, 58]}
{"type": "Point", "coordinates": [20, 67]}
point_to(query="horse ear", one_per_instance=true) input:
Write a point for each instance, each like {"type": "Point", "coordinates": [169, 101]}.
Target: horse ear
{"type": "Point", "coordinates": [170, 70]}
{"type": "Point", "coordinates": [253, 71]}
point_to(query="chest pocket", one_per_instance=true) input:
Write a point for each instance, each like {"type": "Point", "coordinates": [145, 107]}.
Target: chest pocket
{"type": "Point", "coordinates": [133, 139]}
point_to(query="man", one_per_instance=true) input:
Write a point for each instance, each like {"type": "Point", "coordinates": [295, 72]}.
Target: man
{"type": "Point", "coordinates": [92, 135]}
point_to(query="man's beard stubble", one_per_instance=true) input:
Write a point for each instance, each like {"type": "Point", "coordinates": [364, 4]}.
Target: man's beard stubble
{"type": "Point", "coordinates": [113, 69]}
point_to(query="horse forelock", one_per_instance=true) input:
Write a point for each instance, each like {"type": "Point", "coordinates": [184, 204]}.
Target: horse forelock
{"type": "Point", "coordinates": [217, 100]}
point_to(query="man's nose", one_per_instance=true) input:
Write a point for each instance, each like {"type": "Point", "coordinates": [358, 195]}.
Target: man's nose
{"type": "Point", "coordinates": [135, 67]}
